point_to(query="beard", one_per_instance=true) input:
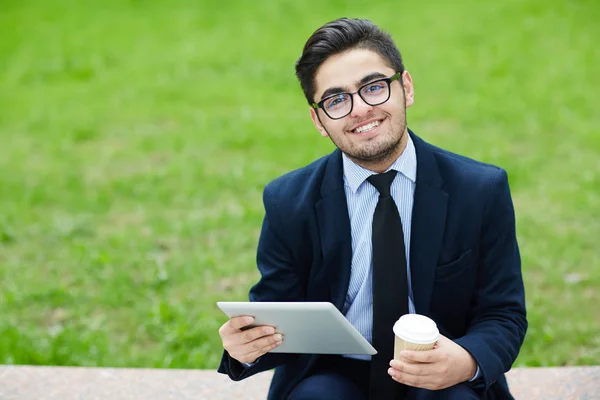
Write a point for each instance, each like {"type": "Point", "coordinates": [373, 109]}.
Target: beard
{"type": "Point", "coordinates": [377, 150]}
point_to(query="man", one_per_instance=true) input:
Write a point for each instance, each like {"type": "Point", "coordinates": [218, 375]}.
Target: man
{"type": "Point", "coordinates": [385, 225]}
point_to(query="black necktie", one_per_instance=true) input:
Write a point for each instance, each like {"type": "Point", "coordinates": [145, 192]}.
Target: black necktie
{"type": "Point", "coordinates": [390, 287]}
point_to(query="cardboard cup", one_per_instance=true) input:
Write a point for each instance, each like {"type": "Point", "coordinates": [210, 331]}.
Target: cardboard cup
{"type": "Point", "coordinates": [414, 332]}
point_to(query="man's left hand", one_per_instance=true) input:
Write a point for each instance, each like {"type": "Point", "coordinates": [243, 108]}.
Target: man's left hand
{"type": "Point", "coordinates": [447, 364]}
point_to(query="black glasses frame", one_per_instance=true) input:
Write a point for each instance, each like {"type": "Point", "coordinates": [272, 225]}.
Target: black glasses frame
{"type": "Point", "coordinates": [397, 75]}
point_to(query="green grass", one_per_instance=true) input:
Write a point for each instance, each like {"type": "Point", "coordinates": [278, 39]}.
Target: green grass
{"type": "Point", "coordinates": [136, 138]}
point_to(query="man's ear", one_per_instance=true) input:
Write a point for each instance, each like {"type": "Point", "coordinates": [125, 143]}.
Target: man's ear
{"type": "Point", "coordinates": [409, 89]}
{"type": "Point", "coordinates": [318, 125]}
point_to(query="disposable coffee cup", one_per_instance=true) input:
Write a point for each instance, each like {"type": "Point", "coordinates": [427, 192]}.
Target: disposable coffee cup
{"type": "Point", "coordinates": [414, 332]}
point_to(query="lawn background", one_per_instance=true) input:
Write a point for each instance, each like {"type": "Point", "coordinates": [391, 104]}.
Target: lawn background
{"type": "Point", "coordinates": [136, 138]}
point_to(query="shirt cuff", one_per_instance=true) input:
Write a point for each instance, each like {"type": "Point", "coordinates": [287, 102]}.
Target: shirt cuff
{"type": "Point", "coordinates": [252, 364]}
{"type": "Point", "coordinates": [477, 374]}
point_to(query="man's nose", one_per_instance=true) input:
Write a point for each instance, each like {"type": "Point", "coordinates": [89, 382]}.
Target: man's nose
{"type": "Point", "coordinates": [359, 107]}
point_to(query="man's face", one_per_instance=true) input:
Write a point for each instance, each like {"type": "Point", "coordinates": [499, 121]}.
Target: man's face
{"type": "Point", "coordinates": [347, 71]}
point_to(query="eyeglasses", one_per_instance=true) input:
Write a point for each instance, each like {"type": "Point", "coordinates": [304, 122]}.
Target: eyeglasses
{"type": "Point", "coordinates": [374, 93]}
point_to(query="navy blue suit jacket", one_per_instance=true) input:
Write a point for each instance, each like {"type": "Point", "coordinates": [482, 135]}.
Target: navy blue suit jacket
{"type": "Point", "coordinates": [465, 263]}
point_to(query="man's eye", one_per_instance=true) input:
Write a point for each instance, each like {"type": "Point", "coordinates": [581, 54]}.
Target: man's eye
{"type": "Point", "coordinates": [336, 101]}
{"type": "Point", "coordinates": [376, 87]}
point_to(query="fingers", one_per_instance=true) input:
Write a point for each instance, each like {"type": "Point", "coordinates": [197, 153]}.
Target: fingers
{"type": "Point", "coordinates": [413, 380]}
{"type": "Point", "coordinates": [431, 382]}
{"type": "Point", "coordinates": [259, 344]}
{"type": "Point", "coordinates": [249, 352]}
{"type": "Point", "coordinates": [427, 375]}
{"type": "Point", "coordinates": [236, 323]}
{"type": "Point", "coordinates": [248, 336]}
{"type": "Point", "coordinates": [248, 345]}
{"type": "Point", "coordinates": [420, 369]}
{"type": "Point", "coordinates": [232, 336]}
{"type": "Point", "coordinates": [254, 355]}
{"type": "Point", "coordinates": [426, 356]}
{"type": "Point", "coordinates": [416, 375]}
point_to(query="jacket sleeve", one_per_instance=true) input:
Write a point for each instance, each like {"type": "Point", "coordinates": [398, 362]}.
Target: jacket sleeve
{"type": "Point", "coordinates": [281, 280]}
{"type": "Point", "coordinates": [497, 318]}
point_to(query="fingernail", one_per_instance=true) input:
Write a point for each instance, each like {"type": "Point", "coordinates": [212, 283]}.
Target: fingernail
{"type": "Point", "coordinates": [278, 338]}
{"type": "Point", "coordinates": [391, 372]}
{"type": "Point", "coordinates": [249, 320]}
{"type": "Point", "coordinates": [269, 331]}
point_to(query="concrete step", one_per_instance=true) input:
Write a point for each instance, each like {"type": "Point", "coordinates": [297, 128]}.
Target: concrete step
{"type": "Point", "coordinates": [78, 383]}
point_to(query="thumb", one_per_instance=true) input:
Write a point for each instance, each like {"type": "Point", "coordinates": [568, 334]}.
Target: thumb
{"type": "Point", "coordinates": [442, 340]}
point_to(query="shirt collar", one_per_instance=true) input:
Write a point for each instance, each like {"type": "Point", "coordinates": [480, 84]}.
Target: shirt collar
{"type": "Point", "coordinates": [406, 164]}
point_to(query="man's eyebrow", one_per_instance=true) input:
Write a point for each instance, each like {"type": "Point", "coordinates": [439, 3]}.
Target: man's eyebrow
{"type": "Point", "coordinates": [372, 76]}
{"type": "Point", "coordinates": [366, 79]}
{"type": "Point", "coordinates": [333, 90]}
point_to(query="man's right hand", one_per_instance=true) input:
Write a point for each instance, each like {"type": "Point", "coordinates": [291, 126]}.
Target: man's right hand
{"type": "Point", "coordinates": [248, 345]}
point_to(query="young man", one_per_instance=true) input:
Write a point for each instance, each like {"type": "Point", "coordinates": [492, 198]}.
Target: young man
{"type": "Point", "coordinates": [385, 225]}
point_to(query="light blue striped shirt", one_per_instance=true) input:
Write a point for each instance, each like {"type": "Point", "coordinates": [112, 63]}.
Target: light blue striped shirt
{"type": "Point", "coordinates": [362, 198]}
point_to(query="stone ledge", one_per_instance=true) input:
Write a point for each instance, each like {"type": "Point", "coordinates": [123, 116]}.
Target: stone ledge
{"type": "Point", "coordinates": [70, 383]}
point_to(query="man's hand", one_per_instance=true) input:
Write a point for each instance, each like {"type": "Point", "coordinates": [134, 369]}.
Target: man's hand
{"type": "Point", "coordinates": [247, 345]}
{"type": "Point", "coordinates": [447, 364]}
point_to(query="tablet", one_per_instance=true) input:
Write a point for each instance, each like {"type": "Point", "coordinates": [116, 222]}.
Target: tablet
{"type": "Point", "coordinates": [307, 327]}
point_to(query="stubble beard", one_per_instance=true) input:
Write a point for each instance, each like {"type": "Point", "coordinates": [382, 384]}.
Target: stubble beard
{"type": "Point", "coordinates": [376, 151]}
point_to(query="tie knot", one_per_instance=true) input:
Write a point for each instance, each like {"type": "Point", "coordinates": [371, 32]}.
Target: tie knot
{"type": "Point", "coordinates": [382, 182]}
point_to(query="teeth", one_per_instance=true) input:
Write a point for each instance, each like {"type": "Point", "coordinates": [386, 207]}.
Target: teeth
{"type": "Point", "coordinates": [367, 127]}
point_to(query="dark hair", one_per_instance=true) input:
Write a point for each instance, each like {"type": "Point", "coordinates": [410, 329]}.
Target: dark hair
{"type": "Point", "coordinates": [338, 36]}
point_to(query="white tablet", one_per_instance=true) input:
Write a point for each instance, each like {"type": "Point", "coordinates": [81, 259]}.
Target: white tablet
{"type": "Point", "coordinates": [313, 328]}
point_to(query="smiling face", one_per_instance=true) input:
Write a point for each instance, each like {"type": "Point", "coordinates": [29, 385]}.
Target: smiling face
{"type": "Point", "coordinates": [372, 136]}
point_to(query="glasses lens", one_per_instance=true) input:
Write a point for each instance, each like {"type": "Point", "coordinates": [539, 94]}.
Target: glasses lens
{"type": "Point", "coordinates": [375, 93]}
{"type": "Point", "coordinates": [338, 105]}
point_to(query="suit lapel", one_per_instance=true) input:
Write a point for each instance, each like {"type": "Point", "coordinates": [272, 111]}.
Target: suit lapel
{"type": "Point", "coordinates": [428, 221]}
{"type": "Point", "coordinates": [334, 230]}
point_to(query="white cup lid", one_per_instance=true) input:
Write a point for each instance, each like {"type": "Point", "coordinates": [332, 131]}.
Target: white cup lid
{"type": "Point", "coordinates": [417, 329]}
